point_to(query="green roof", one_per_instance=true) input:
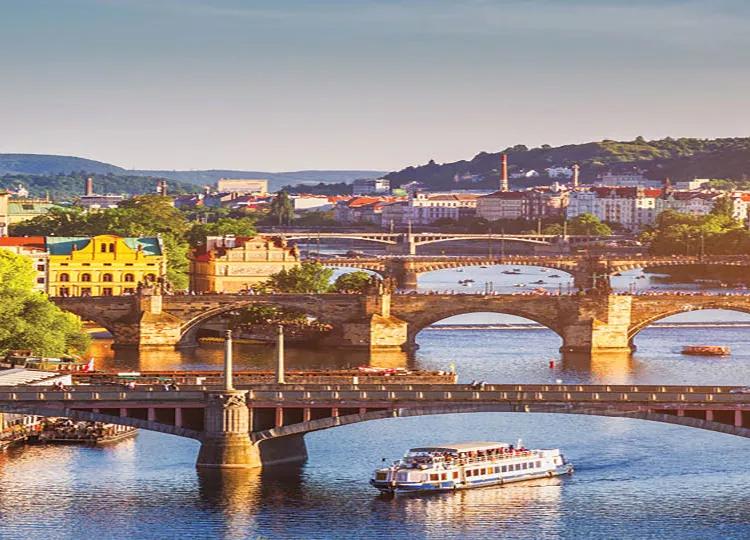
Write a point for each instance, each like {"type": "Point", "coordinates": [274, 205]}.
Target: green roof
{"type": "Point", "coordinates": [63, 245]}
{"type": "Point", "coordinates": [28, 208]}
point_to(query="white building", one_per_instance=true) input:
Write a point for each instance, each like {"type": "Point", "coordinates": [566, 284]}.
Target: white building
{"type": "Point", "coordinates": [609, 179]}
{"type": "Point", "coordinates": [426, 208]}
{"type": "Point", "coordinates": [371, 186]}
{"type": "Point", "coordinates": [318, 203]}
{"type": "Point", "coordinates": [633, 208]}
{"type": "Point", "coordinates": [559, 172]}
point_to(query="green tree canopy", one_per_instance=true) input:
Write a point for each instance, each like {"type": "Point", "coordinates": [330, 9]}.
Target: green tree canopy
{"type": "Point", "coordinates": [28, 320]}
{"type": "Point", "coordinates": [353, 282]}
{"type": "Point", "coordinates": [588, 224]}
{"type": "Point", "coordinates": [309, 277]}
{"type": "Point", "coordinates": [282, 208]}
{"type": "Point", "coordinates": [676, 233]}
{"type": "Point", "coordinates": [144, 215]}
{"type": "Point", "coordinates": [244, 226]}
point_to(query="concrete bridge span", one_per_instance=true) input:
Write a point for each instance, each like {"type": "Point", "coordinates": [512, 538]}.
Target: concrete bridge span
{"type": "Point", "coordinates": [265, 425]}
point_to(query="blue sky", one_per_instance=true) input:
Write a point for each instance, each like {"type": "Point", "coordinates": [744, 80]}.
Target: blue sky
{"type": "Point", "coordinates": [303, 84]}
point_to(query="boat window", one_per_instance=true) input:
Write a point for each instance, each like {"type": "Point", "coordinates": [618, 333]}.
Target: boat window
{"type": "Point", "coordinates": [482, 471]}
{"type": "Point", "coordinates": [517, 467]}
{"type": "Point", "coordinates": [497, 469]}
{"type": "Point", "coordinates": [538, 463]}
{"type": "Point", "coordinates": [455, 475]}
{"type": "Point", "coordinates": [525, 466]}
{"type": "Point", "coordinates": [505, 468]}
{"type": "Point", "coordinates": [433, 478]}
{"type": "Point", "coordinates": [444, 476]}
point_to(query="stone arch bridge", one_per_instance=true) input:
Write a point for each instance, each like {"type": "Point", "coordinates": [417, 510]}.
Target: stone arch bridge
{"type": "Point", "coordinates": [586, 323]}
{"type": "Point", "coordinates": [585, 270]}
{"type": "Point", "coordinates": [265, 425]}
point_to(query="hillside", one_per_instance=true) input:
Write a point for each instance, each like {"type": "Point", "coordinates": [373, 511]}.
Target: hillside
{"type": "Point", "coordinates": [678, 159]}
{"type": "Point", "coordinates": [42, 164]}
{"type": "Point", "coordinates": [67, 186]}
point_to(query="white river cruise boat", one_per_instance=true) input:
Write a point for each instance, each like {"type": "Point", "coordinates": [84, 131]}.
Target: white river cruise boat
{"type": "Point", "coordinates": [448, 467]}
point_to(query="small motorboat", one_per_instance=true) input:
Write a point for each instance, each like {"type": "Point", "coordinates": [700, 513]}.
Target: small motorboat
{"type": "Point", "coordinates": [554, 275]}
{"type": "Point", "coordinates": [538, 282]}
{"type": "Point", "coordinates": [706, 350]}
{"type": "Point", "coordinates": [519, 285]}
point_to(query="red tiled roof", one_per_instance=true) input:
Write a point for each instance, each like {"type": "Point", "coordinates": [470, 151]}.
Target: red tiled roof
{"type": "Point", "coordinates": [35, 242]}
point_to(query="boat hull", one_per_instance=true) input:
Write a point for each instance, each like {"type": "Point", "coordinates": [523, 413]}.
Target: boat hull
{"type": "Point", "coordinates": [445, 486]}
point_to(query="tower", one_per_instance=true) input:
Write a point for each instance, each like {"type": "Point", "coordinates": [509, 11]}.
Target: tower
{"type": "Point", "coordinates": [504, 173]}
{"type": "Point", "coordinates": [576, 173]}
{"type": "Point", "coordinates": [89, 190]}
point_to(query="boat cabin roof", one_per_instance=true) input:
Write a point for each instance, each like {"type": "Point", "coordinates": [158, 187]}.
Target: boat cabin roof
{"type": "Point", "coordinates": [461, 447]}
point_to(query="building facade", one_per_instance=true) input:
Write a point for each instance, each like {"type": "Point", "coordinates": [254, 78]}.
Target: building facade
{"type": "Point", "coordinates": [104, 265]}
{"type": "Point", "coordinates": [371, 186]}
{"type": "Point", "coordinates": [17, 210]}
{"type": "Point", "coordinates": [33, 248]}
{"type": "Point", "coordinates": [229, 264]}
{"type": "Point", "coordinates": [501, 205]}
{"type": "Point", "coordinates": [242, 185]}
{"type": "Point", "coordinates": [426, 208]}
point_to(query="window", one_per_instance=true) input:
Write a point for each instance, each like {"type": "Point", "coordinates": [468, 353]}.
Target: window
{"type": "Point", "coordinates": [85, 291]}
{"type": "Point", "coordinates": [455, 475]}
{"type": "Point", "coordinates": [128, 290]}
{"type": "Point", "coordinates": [433, 478]}
{"type": "Point", "coordinates": [482, 471]}
{"type": "Point", "coordinates": [64, 277]}
{"type": "Point", "coordinates": [129, 278]}
{"type": "Point", "coordinates": [40, 268]}
{"type": "Point", "coordinates": [444, 476]}
{"type": "Point", "coordinates": [85, 277]}
{"type": "Point", "coordinates": [40, 280]}
{"type": "Point", "coordinates": [103, 248]}
{"type": "Point", "coordinates": [107, 277]}
{"type": "Point", "coordinates": [150, 277]}
{"type": "Point", "coordinates": [64, 291]}
{"type": "Point", "coordinates": [525, 466]}
{"type": "Point", "coordinates": [111, 248]}
{"type": "Point", "coordinates": [505, 468]}
{"type": "Point", "coordinates": [538, 464]}
{"type": "Point", "coordinates": [107, 291]}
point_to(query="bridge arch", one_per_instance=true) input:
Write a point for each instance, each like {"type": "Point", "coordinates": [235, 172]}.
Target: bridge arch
{"type": "Point", "coordinates": [562, 408]}
{"type": "Point", "coordinates": [643, 323]}
{"type": "Point", "coordinates": [428, 319]}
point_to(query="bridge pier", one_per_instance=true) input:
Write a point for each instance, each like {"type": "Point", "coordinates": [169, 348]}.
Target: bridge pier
{"type": "Point", "coordinates": [403, 272]}
{"type": "Point", "coordinates": [147, 326]}
{"type": "Point", "coordinates": [600, 324]}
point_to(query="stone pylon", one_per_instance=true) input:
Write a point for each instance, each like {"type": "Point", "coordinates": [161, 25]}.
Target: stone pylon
{"type": "Point", "coordinates": [226, 442]}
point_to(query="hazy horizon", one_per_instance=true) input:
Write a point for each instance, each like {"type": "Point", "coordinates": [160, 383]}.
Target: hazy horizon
{"type": "Point", "coordinates": [376, 85]}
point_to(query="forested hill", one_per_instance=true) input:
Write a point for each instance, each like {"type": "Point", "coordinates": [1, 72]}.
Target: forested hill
{"type": "Point", "coordinates": [678, 159]}
{"type": "Point", "coordinates": [67, 186]}
{"type": "Point", "coordinates": [43, 164]}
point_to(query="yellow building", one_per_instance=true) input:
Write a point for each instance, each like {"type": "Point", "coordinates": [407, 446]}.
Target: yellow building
{"type": "Point", "coordinates": [105, 265]}
{"type": "Point", "coordinates": [231, 264]}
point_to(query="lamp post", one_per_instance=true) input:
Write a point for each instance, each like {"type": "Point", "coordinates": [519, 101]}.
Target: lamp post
{"type": "Point", "coordinates": [228, 384]}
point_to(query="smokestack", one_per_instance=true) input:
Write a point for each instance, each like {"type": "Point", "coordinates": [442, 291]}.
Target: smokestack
{"type": "Point", "coordinates": [163, 188]}
{"type": "Point", "coordinates": [89, 190]}
{"type": "Point", "coordinates": [576, 172]}
{"type": "Point", "coordinates": [504, 173]}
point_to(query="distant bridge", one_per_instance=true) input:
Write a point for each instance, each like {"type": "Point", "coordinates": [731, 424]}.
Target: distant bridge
{"type": "Point", "coordinates": [407, 243]}
{"type": "Point", "coordinates": [261, 425]}
{"type": "Point", "coordinates": [582, 268]}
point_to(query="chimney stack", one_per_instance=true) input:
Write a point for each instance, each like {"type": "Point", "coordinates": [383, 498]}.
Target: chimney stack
{"type": "Point", "coordinates": [576, 172]}
{"type": "Point", "coordinates": [504, 173]}
{"type": "Point", "coordinates": [89, 191]}
{"type": "Point", "coordinates": [162, 188]}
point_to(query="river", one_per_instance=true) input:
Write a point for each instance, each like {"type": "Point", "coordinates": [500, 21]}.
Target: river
{"type": "Point", "coordinates": [633, 479]}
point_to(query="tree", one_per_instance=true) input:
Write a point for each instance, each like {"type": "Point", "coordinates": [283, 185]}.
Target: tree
{"type": "Point", "coordinates": [353, 282]}
{"type": "Point", "coordinates": [144, 215]}
{"type": "Point", "coordinates": [588, 224]}
{"type": "Point", "coordinates": [282, 208]}
{"type": "Point", "coordinates": [28, 319]}
{"type": "Point", "coordinates": [237, 226]}
{"type": "Point", "coordinates": [723, 207]}
{"type": "Point", "coordinates": [307, 278]}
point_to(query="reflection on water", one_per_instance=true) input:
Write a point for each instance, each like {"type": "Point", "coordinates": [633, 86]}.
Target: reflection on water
{"type": "Point", "coordinates": [634, 479]}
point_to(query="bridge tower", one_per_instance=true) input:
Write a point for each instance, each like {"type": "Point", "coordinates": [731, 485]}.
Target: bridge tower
{"type": "Point", "coordinates": [226, 442]}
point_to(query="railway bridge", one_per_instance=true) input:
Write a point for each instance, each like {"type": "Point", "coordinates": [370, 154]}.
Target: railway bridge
{"type": "Point", "coordinates": [264, 425]}
{"type": "Point", "coordinates": [586, 323]}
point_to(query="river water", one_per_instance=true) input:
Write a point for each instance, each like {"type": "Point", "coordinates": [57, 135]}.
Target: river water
{"type": "Point", "coordinates": [633, 479]}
